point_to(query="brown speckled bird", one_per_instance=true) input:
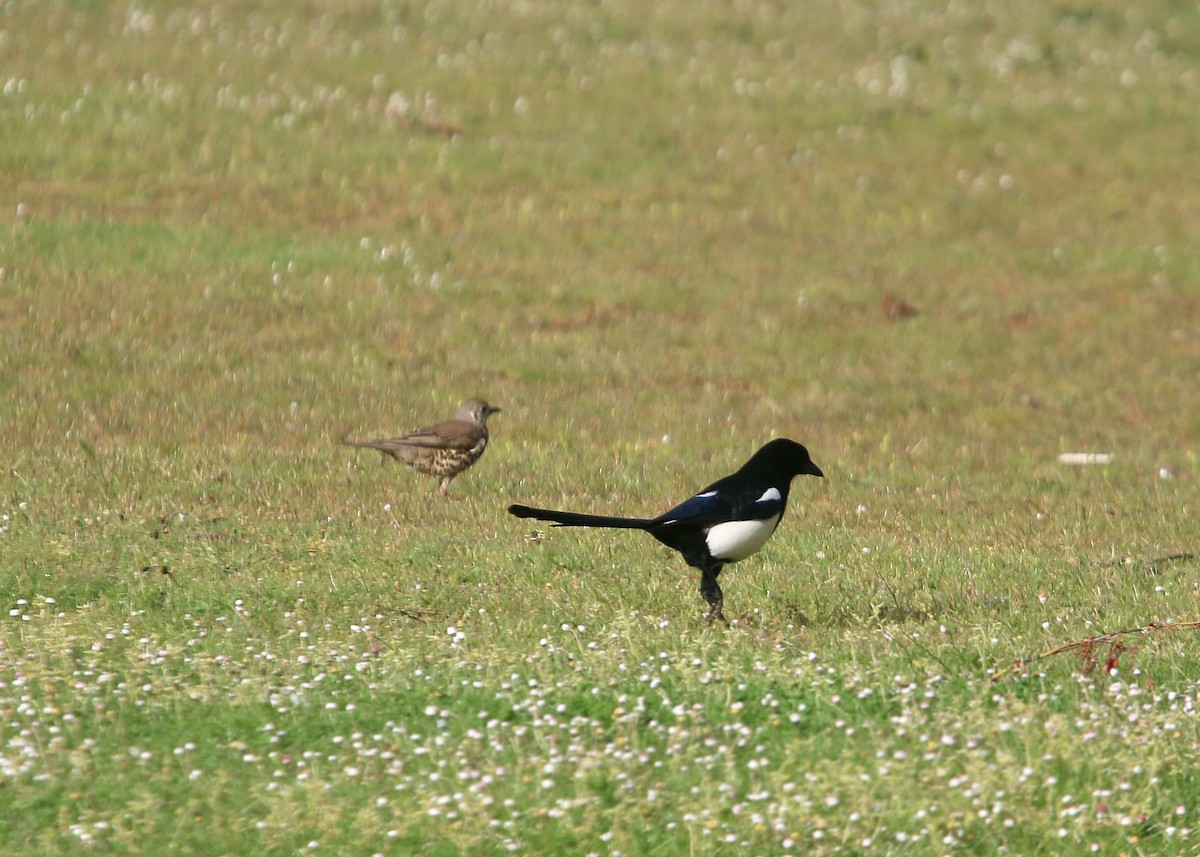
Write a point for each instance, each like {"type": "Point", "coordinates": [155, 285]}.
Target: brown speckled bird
{"type": "Point", "coordinates": [443, 450]}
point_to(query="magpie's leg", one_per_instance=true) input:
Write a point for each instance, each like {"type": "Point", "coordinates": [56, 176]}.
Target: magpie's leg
{"type": "Point", "coordinates": [711, 590]}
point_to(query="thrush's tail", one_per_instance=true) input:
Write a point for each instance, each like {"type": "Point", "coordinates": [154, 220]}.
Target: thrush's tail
{"type": "Point", "coordinates": [576, 519]}
{"type": "Point", "coordinates": [381, 445]}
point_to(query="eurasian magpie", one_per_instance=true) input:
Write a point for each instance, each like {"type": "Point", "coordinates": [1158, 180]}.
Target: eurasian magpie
{"type": "Point", "coordinates": [726, 522]}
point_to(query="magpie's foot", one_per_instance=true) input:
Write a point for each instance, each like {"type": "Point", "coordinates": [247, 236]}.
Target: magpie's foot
{"type": "Point", "coordinates": [714, 614]}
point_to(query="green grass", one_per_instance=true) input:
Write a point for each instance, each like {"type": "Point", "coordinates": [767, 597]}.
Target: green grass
{"type": "Point", "coordinates": [657, 237]}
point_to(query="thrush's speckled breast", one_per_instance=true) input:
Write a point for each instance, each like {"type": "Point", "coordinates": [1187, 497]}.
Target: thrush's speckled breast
{"type": "Point", "coordinates": [443, 450]}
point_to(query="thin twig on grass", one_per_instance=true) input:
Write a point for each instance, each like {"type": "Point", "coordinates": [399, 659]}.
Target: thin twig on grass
{"type": "Point", "coordinates": [1155, 563]}
{"type": "Point", "coordinates": [417, 612]}
{"type": "Point", "coordinates": [1152, 565]}
{"type": "Point", "coordinates": [1088, 643]}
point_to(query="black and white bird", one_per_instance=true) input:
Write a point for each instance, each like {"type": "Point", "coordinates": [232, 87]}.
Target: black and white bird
{"type": "Point", "coordinates": [726, 522]}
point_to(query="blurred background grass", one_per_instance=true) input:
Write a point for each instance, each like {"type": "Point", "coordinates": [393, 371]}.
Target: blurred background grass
{"type": "Point", "coordinates": [939, 244]}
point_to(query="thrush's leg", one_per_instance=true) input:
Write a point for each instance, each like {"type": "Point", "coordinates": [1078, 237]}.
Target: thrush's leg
{"type": "Point", "coordinates": [444, 490]}
{"type": "Point", "coordinates": [711, 590]}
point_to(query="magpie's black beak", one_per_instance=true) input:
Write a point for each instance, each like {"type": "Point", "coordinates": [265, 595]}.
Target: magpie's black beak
{"type": "Point", "coordinates": [813, 470]}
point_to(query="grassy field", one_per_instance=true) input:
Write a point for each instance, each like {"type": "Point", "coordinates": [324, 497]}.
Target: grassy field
{"type": "Point", "coordinates": [940, 244]}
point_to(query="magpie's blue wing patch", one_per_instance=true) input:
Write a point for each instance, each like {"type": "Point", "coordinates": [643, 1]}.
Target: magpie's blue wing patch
{"type": "Point", "coordinates": [715, 506]}
{"type": "Point", "coordinates": [705, 507]}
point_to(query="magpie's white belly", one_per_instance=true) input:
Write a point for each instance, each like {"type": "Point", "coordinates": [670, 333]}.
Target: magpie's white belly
{"type": "Point", "coordinates": [736, 540]}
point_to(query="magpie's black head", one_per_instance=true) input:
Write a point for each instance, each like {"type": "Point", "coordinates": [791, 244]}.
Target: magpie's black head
{"type": "Point", "coordinates": [786, 456]}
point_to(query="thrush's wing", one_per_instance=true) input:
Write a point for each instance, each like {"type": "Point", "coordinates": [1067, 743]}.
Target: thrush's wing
{"type": "Point", "coordinates": [452, 434]}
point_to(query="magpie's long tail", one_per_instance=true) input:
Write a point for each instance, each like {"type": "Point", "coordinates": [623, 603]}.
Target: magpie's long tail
{"type": "Point", "coordinates": [575, 519]}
